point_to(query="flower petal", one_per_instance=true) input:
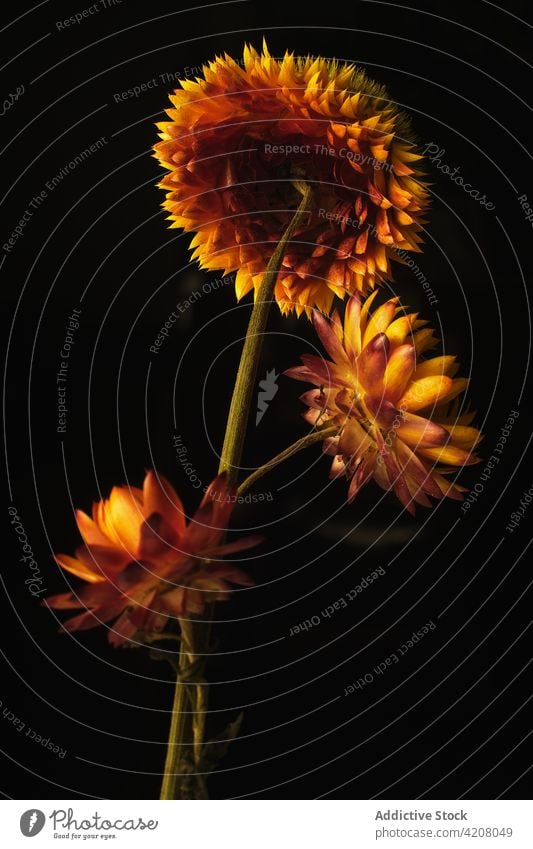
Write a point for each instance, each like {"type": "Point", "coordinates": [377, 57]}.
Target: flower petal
{"type": "Point", "coordinates": [89, 530]}
{"type": "Point", "coordinates": [380, 320]}
{"type": "Point", "coordinates": [63, 601]}
{"type": "Point", "coordinates": [159, 496]}
{"type": "Point", "coordinates": [122, 517]}
{"type": "Point", "coordinates": [399, 370]}
{"type": "Point", "coordinates": [437, 365]}
{"type": "Point", "coordinates": [103, 560]}
{"type": "Point", "coordinates": [427, 391]}
{"type": "Point", "coordinates": [450, 454]}
{"type": "Point", "coordinates": [463, 436]}
{"type": "Point", "coordinates": [81, 570]}
{"type": "Point", "coordinates": [329, 339]}
{"type": "Point", "coordinates": [419, 432]}
{"type": "Point", "coordinates": [372, 362]}
{"type": "Point", "coordinates": [354, 439]}
{"type": "Point", "coordinates": [352, 329]}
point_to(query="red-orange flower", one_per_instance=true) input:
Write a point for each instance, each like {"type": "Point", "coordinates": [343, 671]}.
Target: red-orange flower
{"type": "Point", "coordinates": [390, 405]}
{"type": "Point", "coordinates": [238, 138]}
{"type": "Point", "coordinates": [145, 564]}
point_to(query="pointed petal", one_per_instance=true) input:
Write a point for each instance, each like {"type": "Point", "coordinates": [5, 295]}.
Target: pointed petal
{"type": "Point", "coordinates": [420, 432]}
{"type": "Point", "coordinates": [437, 365]}
{"type": "Point", "coordinates": [159, 496]}
{"type": "Point", "coordinates": [122, 631]}
{"type": "Point", "coordinates": [81, 570]}
{"type": "Point", "coordinates": [338, 468]}
{"type": "Point", "coordinates": [352, 331]}
{"type": "Point", "coordinates": [450, 454]}
{"type": "Point", "coordinates": [399, 371]}
{"type": "Point", "coordinates": [303, 373]}
{"type": "Point", "coordinates": [450, 490]}
{"type": "Point", "coordinates": [328, 373]}
{"type": "Point", "coordinates": [123, 516]}
{"type": "Point", "coordinates": [372, 362]}
{"type": "Point", "coordinates": [400, 330]}
{"type": "Point", "coordinates": [380, 320]}
{"type": "Point", "coordinates": [105, 561]}
{"type": "Point", "coordinates": [426, 392]}
{"type": "Point", "coordinates": [63, 601]}
{"type": "Point", "coordinates": [158, 541]}
{"type": "Point", "coordinates": [361, 476]}
{"type": "Point", "coordinates": [89, 530]}
{"type": "Point", "coordinates": [329, 338]}
{"type": "Point", "coordinates": [418, 471]}
{"type": "Point", "coordinates": [210, 521]}
{"type": "Point", "coordinates": [463, 436]}
{"type": "Point", "coordinates": [423, 340]}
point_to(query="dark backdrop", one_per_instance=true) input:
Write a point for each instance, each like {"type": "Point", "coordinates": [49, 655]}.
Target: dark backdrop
{"type": "Point", "coordinates": [452, 717]}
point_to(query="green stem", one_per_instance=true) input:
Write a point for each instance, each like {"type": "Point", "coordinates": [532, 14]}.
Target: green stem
{"type": "Point", "coordinates": [190, 700]}
{"type": "Point", "coordinates": [179, 732]}
{"type": "Point", "coordinates": [299, 445]}
{"type": "Point", "coordinates": [179, 780]}
{"type": "Point", "coordinates": [251, 352]}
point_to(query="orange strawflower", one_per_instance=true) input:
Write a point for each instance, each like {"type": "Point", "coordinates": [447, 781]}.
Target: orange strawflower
{"type": "Point", "coordinates": [391, 406]}
{"type": "Point", "coordinates": [242, 133]}
{"type": "Point", "coordinates": [144, 564]}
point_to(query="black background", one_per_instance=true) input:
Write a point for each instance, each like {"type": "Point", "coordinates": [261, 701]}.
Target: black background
{"type": "Point", "coordinates": [452, 718]}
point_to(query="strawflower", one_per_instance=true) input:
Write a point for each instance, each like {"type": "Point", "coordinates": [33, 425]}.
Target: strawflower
{"type": "Point", "coordinates": [391, 404]}
{"type": "Point", "coordinates": [239, 137]}
{"type": "Point", "coordinates": [143, 562]}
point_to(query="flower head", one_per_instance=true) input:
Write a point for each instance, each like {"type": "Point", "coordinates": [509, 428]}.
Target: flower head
{"type": "Point", "coordinates": [390, 405]}
{"type": "Point", "coordinates": [144, 564]}
{"type": "Point", "coordinates": [238, 138]}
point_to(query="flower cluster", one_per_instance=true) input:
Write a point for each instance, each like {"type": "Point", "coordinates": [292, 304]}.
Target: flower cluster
{"type": "Point", "coordinates": [239, 137]}
{"type": "Point", "coordinates": [240, 142]}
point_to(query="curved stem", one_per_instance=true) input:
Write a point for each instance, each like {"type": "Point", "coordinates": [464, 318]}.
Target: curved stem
{"type": "Point", "coordinates": [183, 763]}
{"type": "Point", "coordinates": [251, 352]}
{"type": "Point", "coordinates": [299, 445]}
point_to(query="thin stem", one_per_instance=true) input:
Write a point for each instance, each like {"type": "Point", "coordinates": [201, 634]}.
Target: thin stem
{"type": "Point", "coordinates": [180, 731]}
{"type": "Point", "coordinates": [178, 772]}
{"type": "Point", "coordinates": [251, 352]}
{"type": "Point", "coordinates": [189, 707]}
{"type": "Point", "coordinates": [299, 445]}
